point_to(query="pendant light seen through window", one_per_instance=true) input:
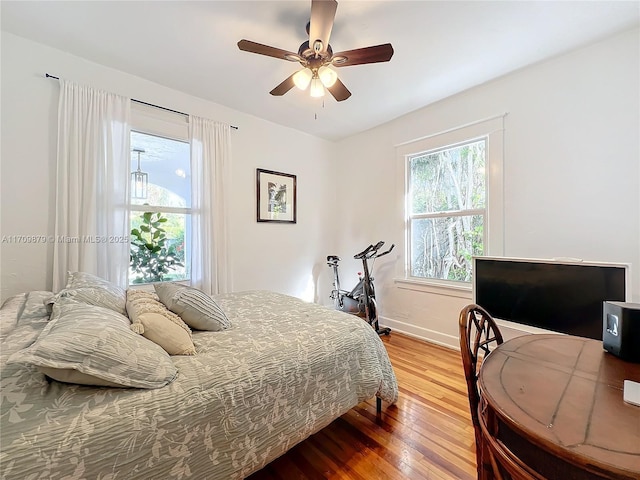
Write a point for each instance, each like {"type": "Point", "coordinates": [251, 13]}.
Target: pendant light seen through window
{"type": "Point", "coordinates": [139, 180]}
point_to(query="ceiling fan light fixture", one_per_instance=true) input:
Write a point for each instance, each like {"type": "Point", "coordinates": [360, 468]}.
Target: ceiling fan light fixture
{"type": "Point", "coordinates": [302, 78]}
{"type": "Point", "coordinates": [327, 76]}
{"type": "Point", "coordinates": [317, 89]}
{"type": "Point", "coordinates": [316, 56]}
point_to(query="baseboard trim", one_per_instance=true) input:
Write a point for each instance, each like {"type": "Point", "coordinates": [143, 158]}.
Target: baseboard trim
{"type": "Point", "coordinates": [422, 333]}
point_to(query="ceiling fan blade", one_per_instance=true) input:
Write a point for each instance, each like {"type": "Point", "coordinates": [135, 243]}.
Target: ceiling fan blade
{"type": "Point", "coordinates": [260, 49]}
{"type": "Point", "coordinates": [323, 13]}
{"type": "Point", "coordinates": [359, 56]}
{"type": "Point", "coordinates": [339, 91]}
{"type": "Point", "coordinates": [284, 87]}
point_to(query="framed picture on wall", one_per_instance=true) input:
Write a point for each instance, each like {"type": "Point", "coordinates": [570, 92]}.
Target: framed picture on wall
{"type": "Point", "coordinates": [276, 194]}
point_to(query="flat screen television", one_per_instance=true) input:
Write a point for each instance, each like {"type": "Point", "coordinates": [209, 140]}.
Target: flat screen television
{"type": "Point", "coordinates": [562, 296]}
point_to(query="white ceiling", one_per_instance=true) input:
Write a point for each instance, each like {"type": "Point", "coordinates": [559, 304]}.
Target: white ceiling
{"type": "Point", "coordinates": [441, 48]}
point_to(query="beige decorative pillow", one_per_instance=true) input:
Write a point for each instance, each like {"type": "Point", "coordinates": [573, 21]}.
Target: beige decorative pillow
{"type": "Point", "coordinates": [155, 322]}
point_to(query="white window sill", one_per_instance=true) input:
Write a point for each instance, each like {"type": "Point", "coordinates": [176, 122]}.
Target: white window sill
{"type": "Point", "coordinates": [150, 286]}
{"type": "Point", "coordinates": [451, 289]}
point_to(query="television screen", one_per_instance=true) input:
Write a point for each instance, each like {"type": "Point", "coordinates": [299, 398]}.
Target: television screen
{"type": "Point", "coordinates": [559, 296]}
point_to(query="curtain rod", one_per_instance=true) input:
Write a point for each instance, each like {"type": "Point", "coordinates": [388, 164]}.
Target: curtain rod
{"type": "Point", "coordinates": [146, 103]}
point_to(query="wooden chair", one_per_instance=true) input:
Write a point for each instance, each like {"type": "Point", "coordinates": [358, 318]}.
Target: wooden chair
{"type": "Point", "coordinates": [505, 464]}
{"type": "Point", "coordinates": [478, 334]}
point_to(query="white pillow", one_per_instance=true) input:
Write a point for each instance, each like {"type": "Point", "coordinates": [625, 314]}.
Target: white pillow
{"type": "Point", "coordinates": [93, 345]}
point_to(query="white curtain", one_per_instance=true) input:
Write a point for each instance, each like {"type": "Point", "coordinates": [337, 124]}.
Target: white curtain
{"type": "Point", "coordinates": [92, 212]}
{"type": "Point", "coordinates": [210, 159]}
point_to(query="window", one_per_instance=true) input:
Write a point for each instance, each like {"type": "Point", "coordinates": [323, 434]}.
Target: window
{"type": "Point", "coordinates": [160, 213]}
{"type": "Point", "coordinates": [446, 210]}
{"type": "Point", "coordinates": [452, 201]}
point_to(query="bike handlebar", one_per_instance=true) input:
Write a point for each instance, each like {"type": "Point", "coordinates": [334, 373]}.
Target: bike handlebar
{"type": "Point", "coordinates": [364, 253]}
{"type": "Point", "coordinates": [371, 251]}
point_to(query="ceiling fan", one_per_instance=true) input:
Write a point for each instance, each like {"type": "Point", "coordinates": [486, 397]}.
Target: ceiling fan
{"type": "Point", "coordinates": [316, 56]}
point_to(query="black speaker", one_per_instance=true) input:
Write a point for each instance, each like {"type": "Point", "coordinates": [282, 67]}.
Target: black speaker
{"type": "Point", "coordinates": [621, 330]}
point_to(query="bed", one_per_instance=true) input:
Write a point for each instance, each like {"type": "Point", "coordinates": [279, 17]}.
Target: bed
{"type": "Point", "coordinates": [283, 370]}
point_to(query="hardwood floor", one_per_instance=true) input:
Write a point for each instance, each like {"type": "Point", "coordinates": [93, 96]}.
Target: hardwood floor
{"type": "Point", "coordinates": [427, 435]}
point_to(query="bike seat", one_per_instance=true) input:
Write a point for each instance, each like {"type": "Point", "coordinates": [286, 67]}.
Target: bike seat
{"type": "Point", "coordinates": [333, 258]}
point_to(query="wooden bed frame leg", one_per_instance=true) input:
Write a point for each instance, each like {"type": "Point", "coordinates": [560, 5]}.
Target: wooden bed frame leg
{"type": "Point", "coordinates": [378, 405]}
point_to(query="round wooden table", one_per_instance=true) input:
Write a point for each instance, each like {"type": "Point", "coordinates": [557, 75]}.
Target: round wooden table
{"type": "Point", "coordinates": [558, 403]}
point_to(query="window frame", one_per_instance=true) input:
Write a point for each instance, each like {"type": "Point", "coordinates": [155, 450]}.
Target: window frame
{"type": "Point", "coordinates": [441, 213]}
{"type": "Point", "coordinates": [492, 130]}
{"type": "Point", "coordinates": [149, 120]}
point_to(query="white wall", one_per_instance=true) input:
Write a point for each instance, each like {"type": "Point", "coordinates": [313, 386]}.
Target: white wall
{"type": "Point", "coordinates": [571, 175]}
{"type": "Point", "coordinates": [283, 257]}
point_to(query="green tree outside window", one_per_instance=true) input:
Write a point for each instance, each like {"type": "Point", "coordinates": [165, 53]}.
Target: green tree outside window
{"type": "Point", "coordinates": [153, 256]}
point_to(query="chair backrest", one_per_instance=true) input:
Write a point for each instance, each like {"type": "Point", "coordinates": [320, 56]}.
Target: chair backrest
{"type": "Point", "coordinates": [505, 464]}
{"type": "Point", "coordinates": [478, 335]}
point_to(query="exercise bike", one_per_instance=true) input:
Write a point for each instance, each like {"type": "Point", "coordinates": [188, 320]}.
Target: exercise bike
{"type": "Point", "coordinates": [361, 300]}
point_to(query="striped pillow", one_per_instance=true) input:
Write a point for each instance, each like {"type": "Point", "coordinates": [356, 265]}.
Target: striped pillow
{"type": "Point", "coordinates": [196, 308]}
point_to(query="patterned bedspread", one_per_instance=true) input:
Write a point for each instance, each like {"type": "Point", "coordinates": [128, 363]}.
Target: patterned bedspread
{"type": "Point", "coordinates": [285, 370]}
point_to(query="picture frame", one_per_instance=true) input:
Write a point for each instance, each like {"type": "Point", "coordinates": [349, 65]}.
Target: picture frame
{"type": "Point", "coordinates": [276, 194]}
